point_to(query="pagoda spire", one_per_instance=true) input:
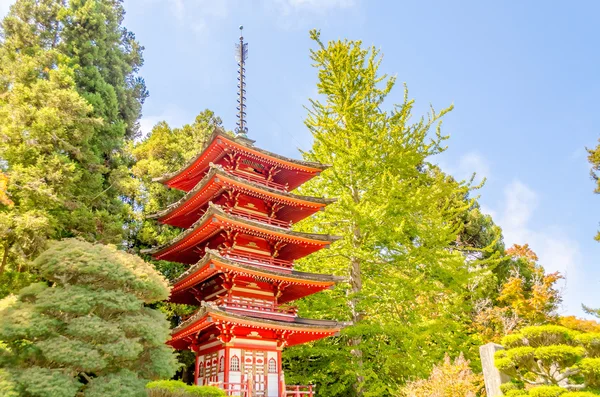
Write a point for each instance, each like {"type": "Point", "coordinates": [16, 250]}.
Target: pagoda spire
{"type": "Point", "coordinates": [241, 55]}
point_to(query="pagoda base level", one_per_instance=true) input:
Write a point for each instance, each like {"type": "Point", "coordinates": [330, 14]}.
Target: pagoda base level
{"type": "Point", "coordinates": [238, 370]}
{"type": "Point", "coordinates": [245, 372]}
{"type": "Point", "coordinates": [240, 353]}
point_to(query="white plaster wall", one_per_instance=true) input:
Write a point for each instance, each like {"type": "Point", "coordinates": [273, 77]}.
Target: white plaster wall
{"type": "Point", "coordinates": [273, 385]}
{"type": "Point", "coordinates": [273, 379]}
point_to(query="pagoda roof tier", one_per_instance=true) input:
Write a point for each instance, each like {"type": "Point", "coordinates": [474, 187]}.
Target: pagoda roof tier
{"type": "Point", "coordinates": [296, 284]}
{"type": "Point", "coordinates": [212, 319]}
{"type": "Point", "coordinates": [184, 248]}
{"type": "Point", "coordinates": [187, 210]}
{"type": "Point", "coordinates": [293, 172]}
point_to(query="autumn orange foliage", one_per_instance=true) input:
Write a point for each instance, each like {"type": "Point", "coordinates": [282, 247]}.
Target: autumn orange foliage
{"type": "Point", "coordinates": [4, 199]}
{"type": "Point", "coordinates": [528, 297]}
{"type": "Point", "coordinates": [579, 324]}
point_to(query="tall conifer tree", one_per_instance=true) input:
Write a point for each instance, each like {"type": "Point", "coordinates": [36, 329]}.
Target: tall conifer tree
{"type": "Point", "coordinates": [69, 98]}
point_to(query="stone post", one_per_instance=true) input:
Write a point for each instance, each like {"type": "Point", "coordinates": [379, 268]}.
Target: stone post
{"type": "Point", "coordinates": [492, 377]}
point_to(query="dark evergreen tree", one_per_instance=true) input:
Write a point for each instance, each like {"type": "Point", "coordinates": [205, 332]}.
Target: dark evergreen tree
{"type": "Point", "coordinates": [70, 98]}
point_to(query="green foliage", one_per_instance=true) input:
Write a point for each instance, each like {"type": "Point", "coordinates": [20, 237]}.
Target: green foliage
{"type": "Point", "coordinates": [526, 295]}
{"type": "Point", "coordinates": [400, 218]}
{"type": "Point", "coordinates": [594, 159]}
{"type": "Point", "coordinates": [123, 384]}
{"type": "Point", "coordinates": [550, 359]}
{"type": "Point", "coordinates": [547, 391]}
{"type": "Point", "coordinates": [175, 388]}
{"type": "Point", "coordinates": [163, 151]}
{"type": "Point", "coordinates": [8, 386]}
{"type": "Point", "coordinates": [86, 328]}
{"type": "Point", "coordinates": [69, 98]}
{"type": "Point", "coordinates": [590, 369]}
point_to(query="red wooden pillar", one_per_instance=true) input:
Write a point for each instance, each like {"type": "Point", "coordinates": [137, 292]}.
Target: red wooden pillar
{"type": "Point", "coordinates": [197, 367]}
{"type": "Point", "coordinates": [226, 369]}
{"type": "Point", "coordinates": [280, 374]}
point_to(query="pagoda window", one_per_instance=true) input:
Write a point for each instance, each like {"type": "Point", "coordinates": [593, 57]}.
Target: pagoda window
{"type": "Point", "coordinates": [272, 366]}
{"type": "Point", "coordinates": [201, 370]}
{"type": "Point", "coordinates": [234, 365]}
{"type": "Point", "coordinates": [222, 364]}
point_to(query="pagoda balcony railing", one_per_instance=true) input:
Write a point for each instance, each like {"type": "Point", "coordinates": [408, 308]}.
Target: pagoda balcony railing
{"type": "Point", "coordinates": [240, 389]}
{"type": "Point", "coordinates": [256, 305]}
{"type": "Point", "coordinates": [258, 218]}
{"type": "Point", "coordinates": [299, 391]}
{"type": "Point", "coordinates": [259, 180]}
{"type": "Point", "coordinates": [260, 260]}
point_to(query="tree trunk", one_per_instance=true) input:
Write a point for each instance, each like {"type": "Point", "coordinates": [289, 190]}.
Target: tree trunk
{"type": "Point", "coordinates": [355, 288]}
{"type": "Point", "coordinates": [4, 257]}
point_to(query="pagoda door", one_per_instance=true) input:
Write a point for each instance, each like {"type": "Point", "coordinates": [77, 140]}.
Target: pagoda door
{"type": "Point", "coordinates": [255, 369]}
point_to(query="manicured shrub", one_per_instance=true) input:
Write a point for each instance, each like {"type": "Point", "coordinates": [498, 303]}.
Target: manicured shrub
{"type": "Point", "coordinates": [547, 391]}
{"type": "Point", "coordinates": [86, 329]}
{"type": "Point", "coordinates": [176, 388]}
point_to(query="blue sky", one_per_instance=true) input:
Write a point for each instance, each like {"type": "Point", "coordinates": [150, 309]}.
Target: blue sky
{"type": "Point", "coordinates": [522, 77]}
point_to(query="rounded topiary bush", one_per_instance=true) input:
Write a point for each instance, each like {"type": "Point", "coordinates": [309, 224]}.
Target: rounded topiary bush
{"type": "Point", "coordinates": [85, 328]}
{"type": "Point", "coordinates": [176, 388]}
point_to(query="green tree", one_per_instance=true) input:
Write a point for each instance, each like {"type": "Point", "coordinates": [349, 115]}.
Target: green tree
{"type": "Point", "coordinates": [594, 159]}
{"type": "Point", "coordinates": [550, 358]}
{"type": "Point", "coordinates": [69, 97]}
{"type": "Point", "coordinates": [400, 218]}
{"type": "Point", "coordinates": [163, 151]}
{"type": "Point", "coordinates": [527, 296]}
{"type": "Point", "coordinates": [86, 328]}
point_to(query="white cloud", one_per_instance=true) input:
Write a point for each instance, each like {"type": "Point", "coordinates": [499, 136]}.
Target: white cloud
{"type": "Point", "coordinates": [556, 250]}
{"type": "Point", "coordinates": [193, 14]}
{"type": "Point", "coordinates": [298, 14]}
{"type": "Point", "coordinates": [467, 164]}
{"type": "Point", "coordinates": [519, 203]}
{"type": "Point", "coordinates": [473, 162]}
{"type": "Point", "coordinates": [177, 8]}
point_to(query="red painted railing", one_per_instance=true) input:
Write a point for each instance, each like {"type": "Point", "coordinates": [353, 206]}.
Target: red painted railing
{"type": "Point", "coordinates": [245, 389]}
{"type": "Point", "coordinates": [259, 218]}
{"type": "Point", "coordinates": [257, 305]}
{"type": "Point", "coordinates": [299, 391]}
{"type": "Point", "coordinates": [260, 180]}
{"type": "Point", "coordinates": [234, 389]}
{"type": "Point", "coordinates": [259, 260]}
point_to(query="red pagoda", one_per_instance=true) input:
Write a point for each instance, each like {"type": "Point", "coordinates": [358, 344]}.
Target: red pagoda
{"type": "Point", "coordinates": [237, 215]}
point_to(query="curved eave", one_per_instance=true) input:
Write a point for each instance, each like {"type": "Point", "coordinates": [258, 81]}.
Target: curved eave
{"type": "Point", "coordinates": [217, 170]}
{"type": "Point", "coordinates": [245, 146]}
{"type": "Point", "coordinates": [208, 314]}
{"type": "Point", "coordinates": [257, 227]}
{"type": "Point", "coordinates": [202, 270]}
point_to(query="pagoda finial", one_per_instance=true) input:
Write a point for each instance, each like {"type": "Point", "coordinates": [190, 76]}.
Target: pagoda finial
{"type": "Point", "coordinates": [241, 55]}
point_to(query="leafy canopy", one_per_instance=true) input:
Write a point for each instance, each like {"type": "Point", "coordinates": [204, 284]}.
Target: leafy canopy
{"type": "Point", "coordinates": [399, 217]}
{"type": "Point", "coordinates": [70, 97]}
{"type": "Point", "coordinates": [86, 328]}
{"type": "Point", "coordinates": [551, 358]}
